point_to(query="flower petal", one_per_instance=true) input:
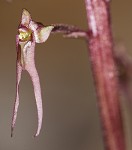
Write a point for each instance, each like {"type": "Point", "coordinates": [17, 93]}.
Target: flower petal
{"type": "Point", "coordinates": [18, 78]}
{"type": "Point", "coordinates": [41, 32]}
{"type": "Point", "coordinates": [26, 18]}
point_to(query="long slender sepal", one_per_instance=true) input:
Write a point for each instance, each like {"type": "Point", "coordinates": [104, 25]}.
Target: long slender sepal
{"type": "Point", "coordinates": [18, 74]}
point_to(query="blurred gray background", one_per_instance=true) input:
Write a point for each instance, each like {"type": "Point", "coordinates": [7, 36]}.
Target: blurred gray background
{"type": "Point", "coordinates": [71, 120]}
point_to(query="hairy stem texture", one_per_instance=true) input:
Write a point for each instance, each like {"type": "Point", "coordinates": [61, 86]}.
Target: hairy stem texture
{"type": "Point", "coordinates": [105, 73]}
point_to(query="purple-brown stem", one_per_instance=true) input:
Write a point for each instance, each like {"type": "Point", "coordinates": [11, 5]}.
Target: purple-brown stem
{"type": "Point", "coordinates": [69, 31]}
{"type": "Point", "coordinates": [105, 73]}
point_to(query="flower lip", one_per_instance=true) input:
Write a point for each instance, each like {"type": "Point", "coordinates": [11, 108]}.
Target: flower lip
{"type": "Point", "coordinates": [24, 34]}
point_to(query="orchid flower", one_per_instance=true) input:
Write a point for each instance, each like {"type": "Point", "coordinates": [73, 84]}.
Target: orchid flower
{"type": "Point", "coordinates": [29, 33]}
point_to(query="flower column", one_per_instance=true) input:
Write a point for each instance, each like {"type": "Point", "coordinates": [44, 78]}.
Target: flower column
{"type": "Point", "coordinates": [105, 73]}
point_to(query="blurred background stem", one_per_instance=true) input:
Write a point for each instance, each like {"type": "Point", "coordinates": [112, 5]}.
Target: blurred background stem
{"type": "Point", "coordinates": [100, 47]}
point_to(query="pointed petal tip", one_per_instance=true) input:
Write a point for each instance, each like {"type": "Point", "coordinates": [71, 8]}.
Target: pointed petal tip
{"type": "Point", "coordinates": [26, 18]}
{"type": "Point", "coordinates": [25, 12]}
{"type": "Point", "coordinates": [37, 134]}
{"type": "Point", "coordinates": [49, 28]}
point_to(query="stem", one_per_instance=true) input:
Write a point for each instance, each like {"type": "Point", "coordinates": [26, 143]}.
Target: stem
{"type": "Point", "coordinates": [69, 31]}
{"type": "Point", "coordinates": [105, 73]}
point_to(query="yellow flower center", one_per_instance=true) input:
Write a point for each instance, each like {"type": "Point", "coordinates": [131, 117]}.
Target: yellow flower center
{"type": "Point", "coordinates": [25, 35]}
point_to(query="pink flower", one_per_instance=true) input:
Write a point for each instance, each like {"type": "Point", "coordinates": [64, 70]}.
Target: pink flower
{"type": "Point", "coordinates": [29, 33]}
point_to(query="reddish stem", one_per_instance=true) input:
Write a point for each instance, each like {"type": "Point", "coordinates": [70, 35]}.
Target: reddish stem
{"type": "Point", "coordinates": [69, 31]}
{"type": "Point", "coordinates": [105, 73]}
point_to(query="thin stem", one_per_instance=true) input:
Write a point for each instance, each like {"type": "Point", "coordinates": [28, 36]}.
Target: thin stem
{"type": "Point", "coordinates": [69, 31]}
{"type": "Point", "coordinates": [105, 73]}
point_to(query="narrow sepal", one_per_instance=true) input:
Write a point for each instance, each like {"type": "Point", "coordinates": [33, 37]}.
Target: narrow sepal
{"type": "Point", "coordinates": [26, 18]}
{"type": "Point", "coordinates": [37, 91]}
{"type": "Point", "coordinates": [18, 74]}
